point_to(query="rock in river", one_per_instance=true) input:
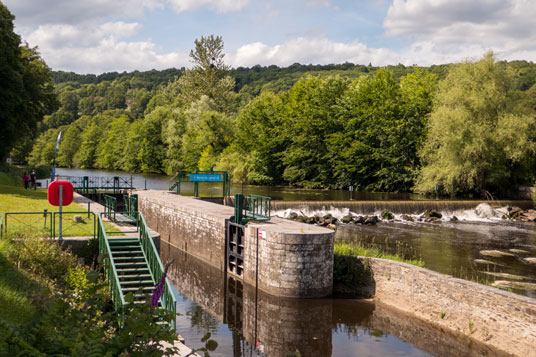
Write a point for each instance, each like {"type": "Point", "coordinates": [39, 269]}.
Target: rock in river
{"type": "Point", "coordinates": [496, 253]}
{"type": "Point", "coordinates": [519, 251]}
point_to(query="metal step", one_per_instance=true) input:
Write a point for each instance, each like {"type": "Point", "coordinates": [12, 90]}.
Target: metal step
{"type": "Point", "coordinates": [138, 270]}
{"type": "Point", "coordinates": [134, 277]}
{"type": "Point", "coordinates": [131, 264]}
{"type": "Point", "coordinates": [119, 247]}
{"type": "Point", "coordinates": [137, 282]}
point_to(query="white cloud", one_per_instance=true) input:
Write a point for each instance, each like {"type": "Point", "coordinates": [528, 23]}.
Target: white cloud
{"type": "Point", "coordinates": [31, 12]}
{"type": "Point", "coordinates": [100, 49]}
{"type": "Point", "coordinates": [217, 5]}
{"type": "Point", "coordinates": [311, 51]}
{"type": "Point", "coordinates": [504, 25]}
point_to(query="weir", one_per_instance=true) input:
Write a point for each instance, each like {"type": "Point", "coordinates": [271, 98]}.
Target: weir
{"type": "Point", "coordinates": [406, 207]}
{"type": "Point", "coordinates": [279, 257]}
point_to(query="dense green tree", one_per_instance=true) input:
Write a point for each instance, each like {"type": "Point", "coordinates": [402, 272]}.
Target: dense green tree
{"type": "Point", "coordinates": [310, 120]}
{"type": "Point", "coordinates": [384, 125]}
{"type": "Point", "coordinates": [111, 153]}
{"type": "Point", "coordinates": [475, 143]}
{"type": "Point", "coordinates": [43, 150]}
{"type": "Point", "coordinates": [86, 156]}
{"type": "Point", "coordinates": [69, 146]}
{"type": "Point", "coordinates": [204, 127]}
{"type": "Point", "coordinates": [256, 156]}
{"type": "Point", "coordinates": [130, 161]}
{"type": "Point", "coordinates": [26, 89]}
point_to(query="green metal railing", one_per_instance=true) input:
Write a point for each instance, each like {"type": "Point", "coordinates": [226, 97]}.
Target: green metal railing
{"type": "Point", "coordinates": [109, 267]}
{"type": "Point", "coordinates": [155, 266]}
{"type": "Point", "coordinates": [35, 225]}
{"type": "Point", "coordinates": [67, 227]}
{"type": "Point", "coordinates": [110, 207]}
{"type": "Point", "coordinates": [259, 207]}
{"type": "Point", "coordinates": [167, 300]}
{"type": "Point", "coordinates": [130, 207]}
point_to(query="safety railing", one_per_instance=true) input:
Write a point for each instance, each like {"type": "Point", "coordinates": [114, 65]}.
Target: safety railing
{"type": "Point", "coordinates": [92, 183]}
{"type": "Point", "coordinates": [109, 267]}
{"type": "Point", "coordinates": [110, 207]}
{"type": "Point", "coordinates": [39, 222]}
{"type": "Point", "coordinates": [167, 299]}
{"type": "Point", "coordinates": [130, 207]}
{"type": "Point", "coordinates": [72, 229]}
{"type": "Point", "coordinates": [258, 207]}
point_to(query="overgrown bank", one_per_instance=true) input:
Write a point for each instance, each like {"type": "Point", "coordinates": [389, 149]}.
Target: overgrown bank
{"type": "Point", "coordinates": [52, 305]}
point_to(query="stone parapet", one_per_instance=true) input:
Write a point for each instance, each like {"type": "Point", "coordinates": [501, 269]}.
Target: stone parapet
{"type": "Point", "coordinates": [497, 318]}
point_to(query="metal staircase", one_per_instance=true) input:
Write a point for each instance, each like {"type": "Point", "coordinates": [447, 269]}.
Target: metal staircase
{"type": "Point", "coordinates": [132, 265]}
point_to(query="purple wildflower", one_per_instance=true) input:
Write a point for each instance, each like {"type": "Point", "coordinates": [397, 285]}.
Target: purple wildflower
{"type": "Point", "coordinates": [159, 288]}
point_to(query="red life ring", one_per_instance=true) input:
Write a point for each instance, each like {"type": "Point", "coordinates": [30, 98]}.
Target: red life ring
{"type": "Point", "coordinates": [53, 193]}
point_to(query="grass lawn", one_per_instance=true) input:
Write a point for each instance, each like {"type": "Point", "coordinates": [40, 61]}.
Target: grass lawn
{"type": "Point", "coordinates": [14, 198]}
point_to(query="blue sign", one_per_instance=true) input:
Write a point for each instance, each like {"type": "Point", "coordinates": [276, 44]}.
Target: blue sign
{"type": "Point", "coordinates": [205, 177]}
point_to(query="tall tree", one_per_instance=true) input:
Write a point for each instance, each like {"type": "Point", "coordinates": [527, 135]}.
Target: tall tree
{"type": "Point", "coordinates": [310, 114]}
{"type": "Point", "coordinates": [475, 141]}
{"type": "Point", "coordinates": [384, 125]}
{"type": "Point", "coordinates": [209, 76]}
{"type": "Point", "coordinates": [26, 89]}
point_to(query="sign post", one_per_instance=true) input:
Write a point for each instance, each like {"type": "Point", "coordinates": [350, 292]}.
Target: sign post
{"type": "Point", "coordinates": [60, 193]}
{"type": "Point", "coordinates": [61, 206]}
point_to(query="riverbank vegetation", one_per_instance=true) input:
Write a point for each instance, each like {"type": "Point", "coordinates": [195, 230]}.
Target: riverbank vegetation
{"type": "Point", "coordinates": [52, 305]}
{"type": "Point", "coordinates": [456, 129]}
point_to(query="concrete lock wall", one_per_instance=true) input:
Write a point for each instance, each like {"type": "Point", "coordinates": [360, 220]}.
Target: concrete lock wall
{"type": "Point", "coordinates": [281, 257]}
{"type": "Point", "coordinates": [498, 318]}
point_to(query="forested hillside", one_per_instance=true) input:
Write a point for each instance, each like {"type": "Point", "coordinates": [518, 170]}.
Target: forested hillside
{"type": "Point", "coordinates": [312, 126]}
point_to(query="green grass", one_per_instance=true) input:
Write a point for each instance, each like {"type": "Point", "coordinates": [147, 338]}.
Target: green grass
{"type": "Point", "coordinates": [16, 291]}
{"type": "Point", "coordinates": [362, 250]}
{"type": "Point", "coordinates": [14, 198]}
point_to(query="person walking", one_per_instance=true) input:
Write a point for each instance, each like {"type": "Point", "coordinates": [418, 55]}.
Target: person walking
{"type": "Point", "coordinates": [25, 180]}
{"type": "Point", "coordinates": [33, 178]}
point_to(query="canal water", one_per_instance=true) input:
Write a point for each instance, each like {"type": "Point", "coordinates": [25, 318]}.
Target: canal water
{"type": "Point", "coordinates": [247, 322]}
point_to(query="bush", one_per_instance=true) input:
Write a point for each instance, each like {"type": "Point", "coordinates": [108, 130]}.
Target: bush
{"type": "Point", "coordinates": [42, 257]}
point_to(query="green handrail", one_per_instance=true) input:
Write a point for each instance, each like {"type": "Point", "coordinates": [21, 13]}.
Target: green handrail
{"type": "Point", "coordinates": [45, 213]}
{"type": "Point", "coordinates": [110, 207]}
{"type": "Point", "coordinates": [259, 207]}
{"type": "Point", "coordinates": [167, 299]}
{"type": "Point", "coordinates": [111, 273]}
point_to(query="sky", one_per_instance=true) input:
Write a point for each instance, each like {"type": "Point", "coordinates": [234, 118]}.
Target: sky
{"type": "Point", "coordinates": [96, 36]}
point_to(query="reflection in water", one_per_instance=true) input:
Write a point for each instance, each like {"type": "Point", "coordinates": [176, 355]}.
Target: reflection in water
{"type": "Point", "coordinates": [246, 322]}
{"type": "Point", "coordinates": [453, 247]}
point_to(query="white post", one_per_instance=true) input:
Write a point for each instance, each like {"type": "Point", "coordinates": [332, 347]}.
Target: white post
{"type": "Point", "coordinates": [61, 205]}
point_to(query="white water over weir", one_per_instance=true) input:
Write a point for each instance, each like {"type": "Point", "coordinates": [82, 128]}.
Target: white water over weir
{"type": "Point", "coordinates": [396, 207]}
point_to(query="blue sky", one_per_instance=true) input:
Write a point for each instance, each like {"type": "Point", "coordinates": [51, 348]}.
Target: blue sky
{"type": "Point", "coordinates": [95, 36]}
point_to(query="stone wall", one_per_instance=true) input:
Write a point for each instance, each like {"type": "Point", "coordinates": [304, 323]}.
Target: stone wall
{"type": "Point", "coordinates": [503, 320]}
{"type": "Point", "coordinates": [281, 257]}
{"type": "Point", "coordinates": [289, 261]}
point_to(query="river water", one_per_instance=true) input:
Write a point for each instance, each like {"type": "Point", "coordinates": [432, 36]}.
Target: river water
{"type": "Point", "coordinates": [248, 323]}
